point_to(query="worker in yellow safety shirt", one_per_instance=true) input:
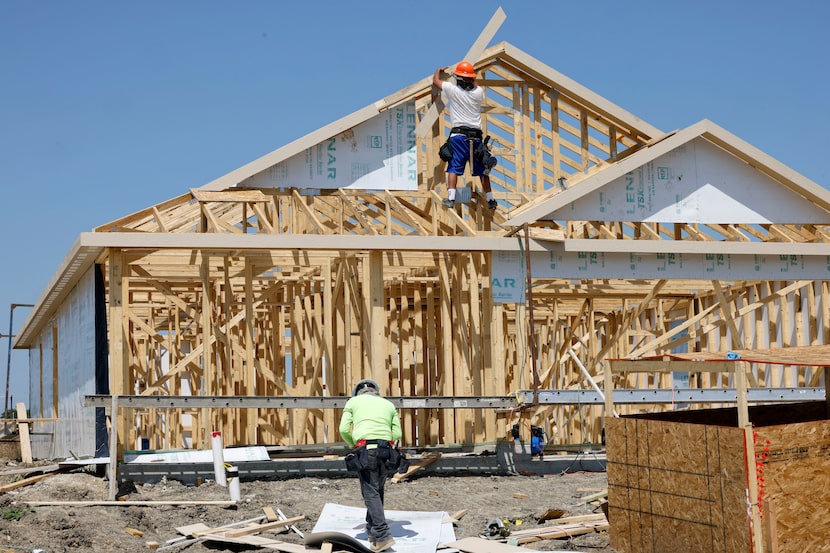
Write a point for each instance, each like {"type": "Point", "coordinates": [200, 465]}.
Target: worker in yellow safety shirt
{"type": "Point", "coordinates": [371, 426]}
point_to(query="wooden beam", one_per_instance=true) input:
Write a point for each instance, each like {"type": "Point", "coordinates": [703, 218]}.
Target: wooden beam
{"type": "Point", "coordinates": [119, 375]}
{"type": "Point", "coordinates": [236, 195]}
{"type": "Point", "coordinates": [756, 526]}
{"type": "Point", "coordinates": [254, 529]}
{"type": "Point", "coordinates": [113, 449]}
{"type": "Point", "coordinates": [622, 366]}
{"type": "Point", "coordinates": [24, 482]}
{"type": "Point", "coordinates": [23, 430]}
{"type": "Point", "coordinates": [131, 503]}
{"type": "Point", "coordinates": [376, 313]}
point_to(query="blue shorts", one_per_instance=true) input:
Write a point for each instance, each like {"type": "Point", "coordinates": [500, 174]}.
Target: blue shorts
{"type": "Point", "coordinates": [461, 155]}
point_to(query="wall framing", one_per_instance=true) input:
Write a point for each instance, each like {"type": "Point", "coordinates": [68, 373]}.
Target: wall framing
{"type": "Point", "coordinates": [234, 291]}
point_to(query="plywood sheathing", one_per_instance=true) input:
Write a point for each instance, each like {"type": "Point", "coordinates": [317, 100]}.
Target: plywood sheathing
{"type": "Point", "coordinates": [676, 487]}
{"type": "Point", "coordinates": [784, 452]}
{"type": "Point", "coordinates": [792, 468]}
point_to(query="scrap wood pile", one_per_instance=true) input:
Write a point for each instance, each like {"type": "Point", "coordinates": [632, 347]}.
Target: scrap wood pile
{"type": "Point", "coordinates": [249, 533]}
{"type": "Point", "coordinates": [561, 528]}
{"type": "Point", "coordinates": [246, 532]}
{"type": "Point", "coordinates": [558, 526]}
{"type": "Point", "coordinates": [261, 532]}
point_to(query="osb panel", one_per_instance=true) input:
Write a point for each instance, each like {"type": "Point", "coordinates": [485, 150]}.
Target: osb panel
{"type": "Point", "coordinates": [794, 472]}
{"type": "Point", "coordinates": [676, 487]}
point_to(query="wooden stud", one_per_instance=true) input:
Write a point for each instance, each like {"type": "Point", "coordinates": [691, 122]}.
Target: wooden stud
{"type": "Point", "coordinates": [23, 434]}
{"type": "Point", "coordinates": [113, 449]}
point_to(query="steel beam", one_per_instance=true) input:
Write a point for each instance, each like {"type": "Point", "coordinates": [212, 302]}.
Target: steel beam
{"type": "Point", "coordinates": [525, 397]}
{"type": "Point", "coordinates": [269, 402]}
{"type": "Point", "coordinates": [676, 396]}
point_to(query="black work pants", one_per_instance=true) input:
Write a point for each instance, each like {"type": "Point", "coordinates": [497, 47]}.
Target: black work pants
{"type": "Point", "coordinates": [372, 481]}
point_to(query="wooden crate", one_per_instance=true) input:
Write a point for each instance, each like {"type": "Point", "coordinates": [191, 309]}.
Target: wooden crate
{"type": "Point", "coordinates": [680, 481]}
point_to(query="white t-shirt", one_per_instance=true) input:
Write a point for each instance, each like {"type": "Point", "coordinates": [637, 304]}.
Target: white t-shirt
{"type": "Point", "coordinates": [465, 105]}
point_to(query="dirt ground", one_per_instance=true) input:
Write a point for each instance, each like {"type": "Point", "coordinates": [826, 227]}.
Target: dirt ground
{"type": "Point", "coordinates": [65, 528]}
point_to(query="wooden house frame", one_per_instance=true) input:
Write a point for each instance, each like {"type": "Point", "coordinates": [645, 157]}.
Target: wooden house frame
{"type": "Point", "coordinates": [243, 294]}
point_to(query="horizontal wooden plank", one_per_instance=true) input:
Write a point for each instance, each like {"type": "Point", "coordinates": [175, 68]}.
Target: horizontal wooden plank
{"type": "Point", "coordinates": [642, 365]}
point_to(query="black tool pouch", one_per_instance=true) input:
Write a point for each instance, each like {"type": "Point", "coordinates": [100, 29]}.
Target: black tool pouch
{"type": "Point", "coordinates": [445, 151]}
{"type": "Point", "coordinates": [394, 460]}
{"type": "Point", "coordinates": [357, 459]}
{"type": "Point", "coordinates": [384, 452]}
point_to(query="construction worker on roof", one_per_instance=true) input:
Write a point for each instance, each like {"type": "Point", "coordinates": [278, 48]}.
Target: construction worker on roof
{"type": "Point", "coordinates": [464, 99]}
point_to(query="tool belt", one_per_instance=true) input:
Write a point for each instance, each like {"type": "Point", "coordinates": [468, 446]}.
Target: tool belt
{"type": "Point", "coordinates": [469, 132]}
{"type": "Point", "coordinates": [358, 459]}
{"type": "Point", "coordinates": [379, 443]}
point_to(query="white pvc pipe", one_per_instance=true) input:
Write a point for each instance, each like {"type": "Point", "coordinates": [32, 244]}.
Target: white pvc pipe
{"type": "Point", "coordinates": [233, 483]}
{"type": "Point", "coordinates": [218, 459]}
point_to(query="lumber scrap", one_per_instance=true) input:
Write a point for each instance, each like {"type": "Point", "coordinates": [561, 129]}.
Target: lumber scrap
{"type": "Point", "coordinates": [564, 528]}
{"type": "Point", "coordinates": [291, 548]}
{"type": "Point", "coordinates": [260, 541]}
{"type": "Point", "coordinates": [458, 515]}
{"type": "Point", "coordinates": [550, 514]}
{"type": "Point", "coordinates": [426, 460]}
{"type": "Point", "coordinates": [24, 482]}
{"type": "Point", "coordinates": [189, 530]}
{"type": "Point", "coordinates": [480, 545]}
{"type": "Point", "coordinates": [594, 496]}
{"type": "Point", "coordinates": [255, 528]}
{"type": "Point", "coordinates": [108, 503]}
{"type": "Point", "coordinates": [199, 531]}
{"type": "Point", "coordinates": [293, 528]}
{"type": "Point", "coordinates": [560, 522]}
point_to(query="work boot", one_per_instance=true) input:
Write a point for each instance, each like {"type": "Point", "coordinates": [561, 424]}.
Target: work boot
{"type": "Point", "coordinates": [448, 203]}
{"type": "Point", "coordinates": [492, 204]}
{"type": "Point", "coordinates": [383, 544]}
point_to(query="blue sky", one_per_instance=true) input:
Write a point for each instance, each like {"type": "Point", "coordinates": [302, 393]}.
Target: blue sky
{"type": "Point", "coordinates": [110, 107]}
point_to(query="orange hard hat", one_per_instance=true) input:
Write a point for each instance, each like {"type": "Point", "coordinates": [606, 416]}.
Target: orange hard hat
{"type": "Point", "coordinates": [465, 69]}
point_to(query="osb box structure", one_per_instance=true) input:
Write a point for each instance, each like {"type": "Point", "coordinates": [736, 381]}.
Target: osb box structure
{"type": "Point", "coordinates": [681, 481]}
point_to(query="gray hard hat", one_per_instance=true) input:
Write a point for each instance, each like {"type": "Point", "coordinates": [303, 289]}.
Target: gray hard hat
{"type": "Point", "coordinates": [363, 384]}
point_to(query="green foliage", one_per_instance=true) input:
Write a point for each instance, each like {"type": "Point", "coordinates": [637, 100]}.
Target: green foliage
{"type": "Point", "coordinates": [14, 513]}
